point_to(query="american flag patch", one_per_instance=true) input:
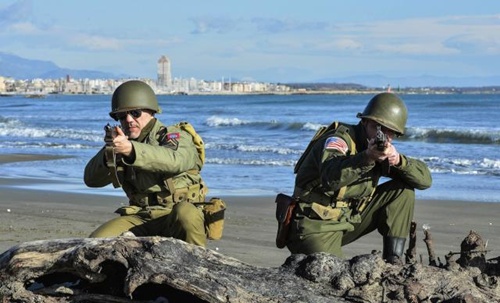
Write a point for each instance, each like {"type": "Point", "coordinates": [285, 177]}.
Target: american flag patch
{"type": "Point", "coordinates": [336, 143]}
{"type": "Point", "coordinates": [173, 136]}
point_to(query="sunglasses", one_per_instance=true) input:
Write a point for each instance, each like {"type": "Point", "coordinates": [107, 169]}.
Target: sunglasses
{"type": "Point", "coordinates": [136, 113]}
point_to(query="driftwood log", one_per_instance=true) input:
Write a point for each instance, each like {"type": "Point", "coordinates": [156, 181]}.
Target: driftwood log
{"type": "Point", "coordinates": [154, 269]}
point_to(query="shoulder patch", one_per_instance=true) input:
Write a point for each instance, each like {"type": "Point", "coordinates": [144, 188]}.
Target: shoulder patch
{"type": "Point", "coordinates": [336, 144]}
{"type": "Point", "coordinates": [170, 140]}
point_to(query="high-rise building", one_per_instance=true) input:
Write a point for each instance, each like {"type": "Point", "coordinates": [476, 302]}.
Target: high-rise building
{"type": "Point", "coordinates": [164, 74]}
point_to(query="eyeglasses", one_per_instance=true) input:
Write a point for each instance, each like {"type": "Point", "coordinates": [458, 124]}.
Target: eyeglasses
{"type": "Point", "coordinates": [136, 113]}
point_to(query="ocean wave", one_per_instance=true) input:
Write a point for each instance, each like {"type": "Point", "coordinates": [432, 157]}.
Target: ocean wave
{"type": "Point", "coordinates": [15, 128]}
{"type": "Point", "coordinates": [43, 145]}
{"type": "Point", "coordinates": [462, 166]}
{"type": "Point", "coordinates": [216, 121]}
{"type": "Point", "coordinates": [253, 148]}
{"type": "Point", "coordinates": [251, 162]}
{"type": "Point", "coordinates": [8, 122]}
{"type": "Point", "coordinates": [461, 136]}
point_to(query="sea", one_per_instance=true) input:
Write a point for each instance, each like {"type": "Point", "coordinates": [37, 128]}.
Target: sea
{"type": "Point", "coordinates": [253, 141]}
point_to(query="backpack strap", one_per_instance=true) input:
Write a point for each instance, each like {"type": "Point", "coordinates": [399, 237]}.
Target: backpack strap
{"type": "Point", "coordinates": [319, 133]}
{"type": "Point", "coordinates": [197, 140]}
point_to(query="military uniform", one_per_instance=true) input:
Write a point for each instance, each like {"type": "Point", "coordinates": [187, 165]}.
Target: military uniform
{"type": "Point", "coordinates": [339, 196]}
{"type": "Point", "coordinates": [161, 182]}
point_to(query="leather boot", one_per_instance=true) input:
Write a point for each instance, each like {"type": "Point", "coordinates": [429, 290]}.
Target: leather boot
{"type": "Point", "coordinates": [393, 250]}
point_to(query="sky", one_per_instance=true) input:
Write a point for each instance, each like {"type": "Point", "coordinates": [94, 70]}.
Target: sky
{"type": "Point", "coordinates": [258, 40]}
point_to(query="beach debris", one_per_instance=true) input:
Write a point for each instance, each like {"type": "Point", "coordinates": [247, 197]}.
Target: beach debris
{"type": "Point", "coordinates": [411, 252]}
{"type": "Point", "coordinates": [156, 269]}
{"type": "Point", "coordinates": [430, 246]}
{"type": "Point", "coordinates": [8, 210]}
{"type": "Point", "coordinates": [473, 251]}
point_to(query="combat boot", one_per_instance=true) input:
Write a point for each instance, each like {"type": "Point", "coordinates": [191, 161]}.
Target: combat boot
{"type": "Point", "coordinates": [393, 250]}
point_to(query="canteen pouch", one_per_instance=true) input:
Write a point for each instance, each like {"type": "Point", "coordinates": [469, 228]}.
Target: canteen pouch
{"type": "Point", "coordinates": [284, 211]}
{"type": "Point", "coordinates": [214, 218]}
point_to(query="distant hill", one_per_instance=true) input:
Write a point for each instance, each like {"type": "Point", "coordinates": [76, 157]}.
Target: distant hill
{"type": "Point", "coordinates": [21, 68]}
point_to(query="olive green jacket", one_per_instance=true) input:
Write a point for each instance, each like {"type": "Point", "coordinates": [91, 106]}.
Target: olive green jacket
{"type": "Point", "coordinates": [326, 172]}
{"type": "Point", "coordinates": [161, 155]}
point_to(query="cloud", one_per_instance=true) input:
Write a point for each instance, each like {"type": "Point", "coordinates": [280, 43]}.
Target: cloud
{"type": "Point", "coordinates": [443, 36]}
{"type": "Point", "coordinates": [24, 28]}
{"type": "Point", "coordinates": [473, 44]}
{"type": "Point", "coordinates": [15, 13]}
{"type": "Point", "coordinates": [218, 25]}
{"type": "Point", "coordinates": [222, 25]}
{"type": "Point", "coordinates": [96, 42]}
{"type": "Point", "coordinates": [417, 49]}
{"type": "Point", "coordinates": [274, 25]}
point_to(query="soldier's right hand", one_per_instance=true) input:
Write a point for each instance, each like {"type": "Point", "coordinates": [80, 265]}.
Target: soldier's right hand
{"type": "Point", "coordinates": [121, 144]}
{"type": "Point", "coordinates": [373, 153]}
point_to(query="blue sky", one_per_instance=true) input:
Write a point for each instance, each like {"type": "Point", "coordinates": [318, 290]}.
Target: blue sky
{"type": "Point", "coordinates": [263, 40]}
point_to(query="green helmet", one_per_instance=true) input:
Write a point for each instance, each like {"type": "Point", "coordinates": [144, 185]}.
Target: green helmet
{"type": "Point", "coordinates": [388, 110]}
{"type": "Point", "coordinates": [131, 95]}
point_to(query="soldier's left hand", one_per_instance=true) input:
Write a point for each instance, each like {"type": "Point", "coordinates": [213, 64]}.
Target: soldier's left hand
{"type": "Point", "coordinates": [392, 155]}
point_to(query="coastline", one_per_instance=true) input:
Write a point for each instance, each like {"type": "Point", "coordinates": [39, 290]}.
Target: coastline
{"type": "Point", "coordinates": [249, 229]}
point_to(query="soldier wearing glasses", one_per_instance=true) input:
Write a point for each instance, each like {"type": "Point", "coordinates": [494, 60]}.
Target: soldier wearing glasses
{"type": "Point", "coordinates": [158, 168]}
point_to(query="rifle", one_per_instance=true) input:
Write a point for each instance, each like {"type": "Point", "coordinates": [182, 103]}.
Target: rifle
{"type": "Point", "coordinates": [116, 171]}
{"type": "Point", "coordinates": [380, 140]}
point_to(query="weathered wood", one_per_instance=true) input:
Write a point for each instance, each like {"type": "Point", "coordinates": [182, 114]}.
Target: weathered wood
{"type": "Point", "coordinates": [128, 269]}
{"type": "Point", "coordinates": [411, 252]}
{"type": "Point", "coordinates": [430, 247]}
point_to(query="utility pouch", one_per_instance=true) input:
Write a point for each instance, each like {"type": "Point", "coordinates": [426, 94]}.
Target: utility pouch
{"type": "Point", "coordinates": [325, 212]}
{"type": "Point", "coordinates": [284, 211]}
{"type": "Point", "coordinates": [214, 218]}
{"type": "Point", "coordinates": [128, 210]}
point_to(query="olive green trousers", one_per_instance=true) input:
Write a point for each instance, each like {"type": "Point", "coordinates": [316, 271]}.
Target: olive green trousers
{"type": "Point", "coordinates": [390, 212]}
{"type": "Point", "coordinates": [184, 221]}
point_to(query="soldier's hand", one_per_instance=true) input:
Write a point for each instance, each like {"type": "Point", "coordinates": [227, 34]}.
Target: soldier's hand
{"type": "Point", "coordinates": [373, 154]}
{"type": "Point", "coordinates": [392, 155]}
{"type": "Point", "coordinates": [121, 144]}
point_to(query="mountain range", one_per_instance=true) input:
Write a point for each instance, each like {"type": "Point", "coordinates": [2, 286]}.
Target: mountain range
{"type": "Point", "coordinates": [20, 68]}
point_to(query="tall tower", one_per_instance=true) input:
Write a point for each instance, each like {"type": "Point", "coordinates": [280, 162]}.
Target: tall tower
{"type": "Point", "coordinates": [164, 74]}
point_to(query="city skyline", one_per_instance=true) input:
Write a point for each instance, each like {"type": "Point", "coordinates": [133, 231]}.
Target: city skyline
{"type": "Point", "coordinates": [259, 40]}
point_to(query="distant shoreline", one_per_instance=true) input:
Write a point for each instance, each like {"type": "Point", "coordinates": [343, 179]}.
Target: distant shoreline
{"type": "Point", "coordinates": [412, 91]}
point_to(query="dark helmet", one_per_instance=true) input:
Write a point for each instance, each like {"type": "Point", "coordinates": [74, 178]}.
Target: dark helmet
{"type": "Point", "coordinates": [131, 95]}
{"type": "Point", "coordinates": [388, 110]}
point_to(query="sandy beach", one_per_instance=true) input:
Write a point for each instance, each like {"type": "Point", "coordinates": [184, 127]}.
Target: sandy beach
{"type": "Point", "coordinates": [250, 225]}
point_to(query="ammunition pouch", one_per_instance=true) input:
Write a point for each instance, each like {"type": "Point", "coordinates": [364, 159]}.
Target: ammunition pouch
{"type": "Point", "coordinates": [319, 211]}
{"type": "Point", "coordinates": [285, 206]}
{"type": "Point", "coordinates": [151, 212]}
{"type": "Point", "coordinates": [314, 197]}
{"type": "Point", "coordinates": [193, 194]}
{"type": "Point", "coordinates": [318, 206]}
{"type": "Point", "coordinates": [214, 218]}
{"type": "Point", "coordinates": [358, 205]}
